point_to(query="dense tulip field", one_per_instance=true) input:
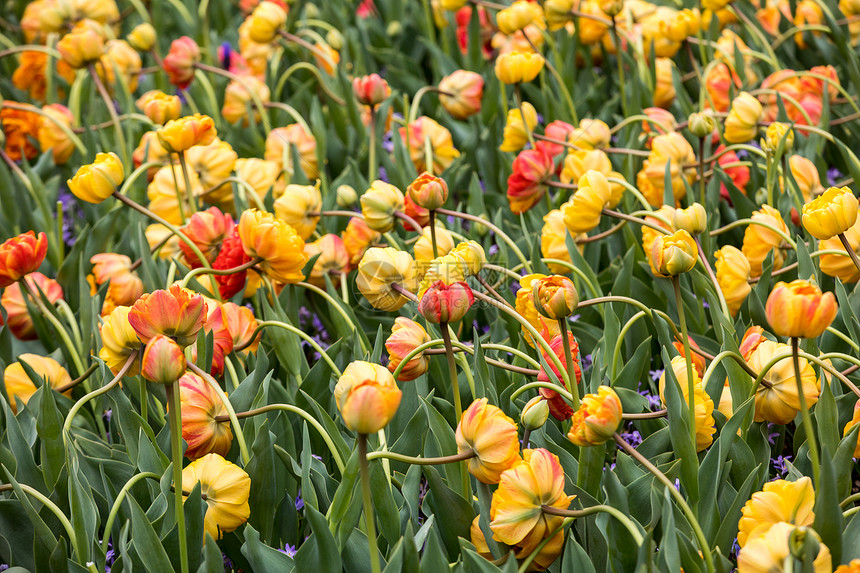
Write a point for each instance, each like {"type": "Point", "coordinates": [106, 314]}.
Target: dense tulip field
{"type": "Point", "coordinates": [429, 285]}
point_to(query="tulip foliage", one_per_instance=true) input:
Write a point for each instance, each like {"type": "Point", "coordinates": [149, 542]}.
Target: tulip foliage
{"type": "Point", "coordinates": [563, 285]}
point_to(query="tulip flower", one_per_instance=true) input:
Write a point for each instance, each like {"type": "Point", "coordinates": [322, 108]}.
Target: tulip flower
{"type": "Point", "coordinates": [179, 135]}
{"type": "Point", "coordinates": [21, 255]}
{"type": "Point", "coordinates": [597, 419]}
{"type": "Point", "coordinates": [421, 131]}
{"type": "Point", "coordinates": [177, 313]}
{"type": "Point", "coordinates": [265, 21]}
{"type": "Point", "coordinates": [163, 361]}
{"type": "Point", "coordinates": [227, 488]}
{"type": "Point", "coordinates": [460, 93]}
{"type": "Point", "coordinates": [379, 269]}
{"type": "Point", "coordinates": [239, 96]}
{"type": "Point", "coordinates": [367, 397]}
{"type": "Point", "coordinates": [579, 162]}
{"type": "Point", "coordinates": [733, 274]}
{"type": "Point", "coordinates": [675, 254]}
{"type": "Point", "coordinates": [527, 182]}
{"type": "Point", "coordinates": [778, 401]}
{"type": "Point", "coordinates": [428, 191]}
{"type": "Point", "coordinates": [51, 137]}
{"type": "Point", "coordinates": [19, 386]}
{"type": "Point", "coordinates": [81, 46]}
{"type": "Point", "coordinates": [558, 406]}
{"type": "Point", "coordinates": [282, 140]}
{"type": "Point", "coordinates": [518, 67]}
{"type": "Point", "coordinates": [266, 237]}
{"type": "Point", "coordinates": [702, 403]}
{"type": "Point", "coordinates": [769, 552]}
{"type": "Point", "coordinates": [299, 206]}
{"type": "Point", "coordinates": [693, 219]}
{"type": "Point", "coordinates": [582, 213]}
{"type": "Point", "coordinates": [831, 213]}
{"type": "Point", "coordinates": [142, 38]}
{"type": "Point", "coordinates": [443, 303]}
{"type": "Point", "coordinates": [159, 107]}
{"type": "Point", "coordinates": [200, 406]}
{"type": "Point", "coordinates": [333, 259]}
{"type": "Point", "coordinates": [492, 435]}
{"type": "Point", "coordinates": [779, 501]}
{"type": "Point", "coordinates": [744, 115]}
{"type": "Point", "coordinates": [18, 317]}
{"type": "Point", "coordinates": [379, 204]}
{"type": "Point", "coordinates": [370, 90]}
{"type": "Point", "coordinates": [97, 181]}
{"type": "Point", "coordinates": [358, 238]}
{"type": "Point", "coordinates": [519, 123]}
{"type": "Point", "coordinates": [179, 61]}
{"type": "Point", "coordinates": [799, 309]}
{"type": "Point", "coordinates": [406, 336]}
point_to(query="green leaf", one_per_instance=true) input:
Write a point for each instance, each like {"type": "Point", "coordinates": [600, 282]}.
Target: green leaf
{"type": "Point", "coordinates": [679, 431]}
{"type": "Point", "coordinates": [669, 546]}
{"type": "Point", "coordinates": [319, 553]}
{"type": "Point", "coordinates": [387, 512]}
{"type": "Point", "coordinates": [828, 515]}
{"type": "Point", "coordinates": [264, 558]}
{"type": "Point", "coordinates": [261, 468]}
{"type": "Point", "coordinates": [83, 511]}
{"type": "Point", "coordinates": [433, 560]}
{"type": "Point", "coordinates": [575, 558]}
{"type": "Point", "coordinates": [454, 514]}
{"type": "Point", "coordinates": [147, 545]}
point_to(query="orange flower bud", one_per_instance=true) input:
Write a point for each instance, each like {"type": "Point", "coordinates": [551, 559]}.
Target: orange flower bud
{"type": "Point", "coordinates": [125, 286]}
{"type": "Point", "coordinates": [516, 517]}
{"type": "Point", "coordinates": [82, 46]}
{"type": "Point", "coordinates": [830, 214]}
{"type": "Point", "coordinates": [163, 361]}
{"type": "Point", "coordinates": [265, 21]}
{"type": "Point", "coordinates": [428, 191]}
{"type": "Point", "coordinates": [674, 254]}
{"type": "Point", "coordinates": [518, 67]}
{"type": "Point", "coordinates": [21, 255]}
{"type": "Point", "coordinates": [370, 90]}
{"type": "Point", "coordinates": [779, 501]}
{"type": "Point", "coordinates": [179, 62]}
{"type": "Point", "coordinates": [177, 313]}
{"type": "Point", "coordinates": [799, 310]}
{"type": "Point", "coordinates": [492, 435]}
{"type": "Point", "coordinates": [159, 107]}
{"type": "Point", "coordinates": [241, 323]}
{"type": "Point", "coordinates": [200, 405]}
{"type": "Point", "coordinates": [20, 386]}
{"type": "Point", "coordinates": [367, 397]}
{"type": "Point", "coordinates": [744, 115]}
{"type": "Point", "coordinates": [593, 194]}
{"type": "Point", "coordinates": [51, 137]}
{"type": "Point", "coordinates": [274, 241]}
{"type": "Point", "coordinates": [442, 303]}
{"type": "Point", "coordinates": [760, 240]}
{"type": "Point", "coordinates": [181, 134]}
{"type": "Point", "coordinates": [555, 297]}
{"type": "Point", "coordinates": [806, 176]}
{"type": "Point", "coordinates": [97, 181]}
{"type": "Point", "coordinates": [17, 314]}
{"type": "Point", "coordinates": [406, 336]}
{"type": "Point", "coordinates": [378, 205]}
{"type": "Point", "coordinates": [597, 419]}
{"type": "Point", "coordinates": [142, 37]}
{"type": "Point", "coordinates": [460, 93]}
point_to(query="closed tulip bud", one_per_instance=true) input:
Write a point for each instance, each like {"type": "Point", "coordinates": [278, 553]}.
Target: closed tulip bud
{"type": "Point", "coordinates": [335, 39]}
{"type": "Point", "coordinates": [97, 181]}
{"type": "Point", "coordinates": [239, 98]}
{"type": "Point", "coordinates": [163, 361]}
{"type": "Point", "coordinates": [611, 7]}
{"type": "Point", "coordinates": [181, 134]}
{"type": "Point", "coordinates": [442, 303]}
{"type": "Point", "coordinates": [226, 488]}
{"type": "Point", "coordinates": [702, 124]}
{"type": "Point", "coordinates": [830, 214]}
{"type": "Point", "coordinates": [519, 15]}
{"type": "Point", "coordinates": [378, 205]}
{"type": "Point", "coordinates": [142, 37]}
{"type": "Point", "coordinates": [159, 107]}
{"type": "Point", "coordinates": [367, 397]}
{"type": "Point", "coordinates": [370, 90]}
{"type": "Point", "coordinates": [460, 93]}
{"type": "Point", "coordinates": [265, 21]}
{"type": "Point", "coordinates": [674, 254]}
{"type": "Point", "coordinates": [799, 309]}
{"type": "Point", "coordinates": [276, 243]}
{"type": "Point", "coordinates": [81, 46]}
{"type": "Point", "coordinates": [744, 115]}
{"type": "Point", "coordinates": [428, 191]}
{"type": "Point", "coordinates": [21, 255]}
{"type": "Point", "coordinates": [179, 62]}
{"type": "Point", "coordinates": [472, 255]}
{"type": "Point", "coordinates": [487, 431]}
{"type": "Point", "coordinates": [597, 419]}
{"type": "Point", "coordinates": [535, 413]}
{"type": "Point", "coordinates": [693, 219]}
{"type": "Point", "coordinates": [776, 133]}
{"type": "Point", "coordinates": [518, 67]}
{"type": "Point", "coordinates": [593, 194]}
{"type": "Point", "coordinates": [591, 134]}
{"type": "Point", "coordinates": [346, 196]}
{"type": "Point", "coordinates": [379, 270]}
{"type": "Point", "coordinates": [733, 274]}
{"type": "Point", "coordinates": [555, 297]}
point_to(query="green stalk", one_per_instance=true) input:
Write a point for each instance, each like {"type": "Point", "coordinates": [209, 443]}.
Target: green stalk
{"type": "Point", "coordinates": [371, 153]}
{"type": "Point", "coordinates": [848, 248]}
{"type": "Point", "coordinates": [569, 363]}
{"type": "Point", "coordinates": [433, 232]}
{"type": "Point", "coordinates": [458, 406]}
{"type": "Point", "coordinates": [188, 191]}
{"type": "Point", "coordinates": [804, 412]}
{"type": "Point", "coordinates": [367, 500]}
{"type": "Point", "coordinates": [688, 358]}
{"type": "Point", "coordinates": [175, 418]}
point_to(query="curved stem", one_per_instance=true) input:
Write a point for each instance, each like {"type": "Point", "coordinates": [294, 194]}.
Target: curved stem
{"type": "Point", "coordinates": [219, 272]}
{"type": "Point", "coordinates": [688, 359]}
{"type": "Point", "coordinates": [531, 385]}
{"type": "Point", "coordinates": [493, 228]}
{"type": "Point", "coordinates": [367, 501]}
{"type": "Point", "coordinates": [625, 521]}
{"type": "Point", "coordinates": [87, 373]}
{"type": "Point", "coordinates": [688, 513]}
{"type": "Point", "coordinates": [255, 97]}
{"type": "Point", "coordinates": [409, 221]}
{"type": "Point", "coordinates": [234, 421]}
{"type": "Point", "coordinates": [636, 220]}
{"type": "Point", "coordinates": [36, 494]}
{"type": "Point", "coordinates": [307, 338]}
{"type": "Point", "coordinates": [114, 510]}
{"type": "Point", "coordinates": [422, 461]}
{"type": "Point", "coordinates": [335, 454]}
{"type": "Point", "coordinates": [372, 170]}
{"type": "Point", "coordinates": [174, 409]}
{"type": "Point", "coordinates": [455, 390]}
{"type": "Point", "coordinates": [571, 365]}
{"type": "Point", "coordinates": [58, 326]}
{"type": "Point", "coordinates": [333, 303]}
{"type": "Point", "coordinates": [617, 351]}
{"type": "Point", "coordinates": [67, 131]}
{"type": "Point", "coordinates": [120, 135]}
{"type": "Point", "coordinates": [646, 415]}
{"type": "Point", "coordinates": [850, 250]}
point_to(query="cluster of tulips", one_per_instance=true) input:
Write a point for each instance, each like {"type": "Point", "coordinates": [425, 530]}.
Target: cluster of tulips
{"type": "Point", "coordinates": [542, 285]}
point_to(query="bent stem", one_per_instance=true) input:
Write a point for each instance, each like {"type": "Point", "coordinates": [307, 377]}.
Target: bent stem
{"type": "Point", "coordinates": [688, 359]}
{"type": "Point", "coordinates": [367, 500]}
{"type": "Point", "coordinates": [625, 521]}
{"type": "Point", "coordinates": [679, 499]}
{"type": "Point", "coordinates": [175, 418]}
{"type": "Point", "coordinates": [848, 248]}
{"type": "Point", "coordinates": [804, 411]}
{"type": "Point", "coordinates": [455, 389]}
{"type": "Point", "coordinates": [468, 454]}
{"type": "Point", "coordinates": [571, 365]}
{"type": "Point", "coordinates": [120, 135]}
{"type": "Point", "coordinates": [58, 513]}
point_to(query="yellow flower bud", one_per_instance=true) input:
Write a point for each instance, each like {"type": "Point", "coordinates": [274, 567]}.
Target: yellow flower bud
{"type": "Point", "coordinates": [799, 309]}
{"type": "Point", "coordinates": [159, 107]}
{"type": "Point", "coordinates": [776, 133]}
{"type": "Point", "coordinates": [597, 419]}
{"type": "Point", "coordinates": [555, 297]}
{"type": "Point", "coordinates": [744, 115]}
{"type": "Point", "coordinates": [346, 196]}
{"type": "Point", "coordinates": [367, 397]}
{"type": "Point", "coordinates": [142, 38]}
{"type": "Point", "coordinates": [693, 219]}
{"type": "Point", "coordinates": [81, 46]}
{"type": "Point", "coordinates": [379, 269]}
{"type": "Point", "coordinates": [516, 132]}
{"type": "Point", "coordinates": [265, 21]}
{"type": "Point", "coordinates": [582, 212]}
{"type": "Point", "coordinates": [379, 203]}
{"type": "Point", "coordinates": [518, 67]}
{"type": "Point", "coordinates": [674, 254]}
{"type": "Point", "coordinates": [535, 413]}
{"type": "Point", "coordinates": [97, 181]}
{"type": "Point", "coordinates": [519, 15]}
{"type": "Point", "coordinates": [181, 134]}
{"type": "Point", "coordinates": [702, 124]}
{"type": "Point", "coordinates": [831, 214]}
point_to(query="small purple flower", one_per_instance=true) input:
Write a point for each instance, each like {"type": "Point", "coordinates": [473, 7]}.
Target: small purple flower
{"type": "Point", "coordinates": [493, 250]}
{"type": "Point", "coordinates": [586, 362]}
{"type": "Point", "coordinates": [226, 55]}
{"type": "Point", "coordinates": [780, 464]}
{"type": "Point", "coordinates": [288, 550]}
{"type": "Point", "coordinates": [655, 374]}
{"type": "Point", "coordinates": [677, 484]}
{"type": "Point", "coordinates": [705, 305]}
{"type": "Point", "coordinates": [383, 174]}
{"type": "Point", "coordinates": [300, 503]}
{"type": "Point", "coordinates": [834, 175]}
{"type": "Point", "coordinates": [633, 437]}
{"type": "Point", "coordinates": [227, 563]}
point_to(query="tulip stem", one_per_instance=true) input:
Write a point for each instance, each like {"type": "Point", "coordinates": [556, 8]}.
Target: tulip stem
{"type": "Point", "coordinates": [58, 513]}
{"type": "Point", "coordinates": [218, 272]}
{"type": "Point", "coordinates": [175, 418]}
{"type": "Point", "coordinates": [87, 373]}
{"type": "Point", "coordinates": [679, 499]}
{"type": "Point", "coordinates": [114, 510]}
{"type": "Point", "coordinates": [569, 363]}
{"type": "Point", "coordinates": [422, 461]}
{"type": "Point", "coordinates": [549, 385]}
{"type": "Point", "coordinates": [234, 421]}
{"type": "Point", "coordinates": [188, 191]}
{"type": "Point", "coordinates": [433, 233]}
{"type": "Point", "coordinates": [120, 135]}
{"type": "Point", "coordinates": [707, 264]}
{"type": "Point", "coordinates": [499, 233]}
{"type": "Point", "coordinates": [367, 500]}
{"type": "Point", "coordinates": [850, 250]}
{"type": "Point", "coordinates": [804, 411]}
{"type": "Point", "coordinates": [371, 151]}
{"type": "Point", "coordinates": [58, 326]}
{"type": "Point", "coordinates": [688, 359]}
{"type": "Point", "coordinates": [416, 226]}
{"type": "Point", "coordinates": [702, 197]}
{"type": "Point", "coordinates": [455, 389]}
{"type": "Point", "coordinates": [625, 521]}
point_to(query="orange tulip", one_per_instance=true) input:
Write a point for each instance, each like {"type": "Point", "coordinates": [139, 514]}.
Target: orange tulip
{"type": "Point", "coordinates": [179, 135]}
{"type": "Point", "coordinates": [492, 435]}
{"type": "Point", "coordinates": [406, 336]}
{"type": "Point", "coordinates": [177, 313]}
{"type": "Point", "coordinates": [798, 309]}
{"type": "Point", "coordinates": [200, 405]}
{"type": "Point", "coordinates": [367, 397]}
{"type": "Point", "coordinates": [17, 314]}
{"type": "Point", "coordinates": [21, 255]}
{"type": "Point", "coordinates": [163, 361]}
{"type": "Point", "coordinates": [597, 419]}
{"type": "Point", "coordinates": [269, 238]}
